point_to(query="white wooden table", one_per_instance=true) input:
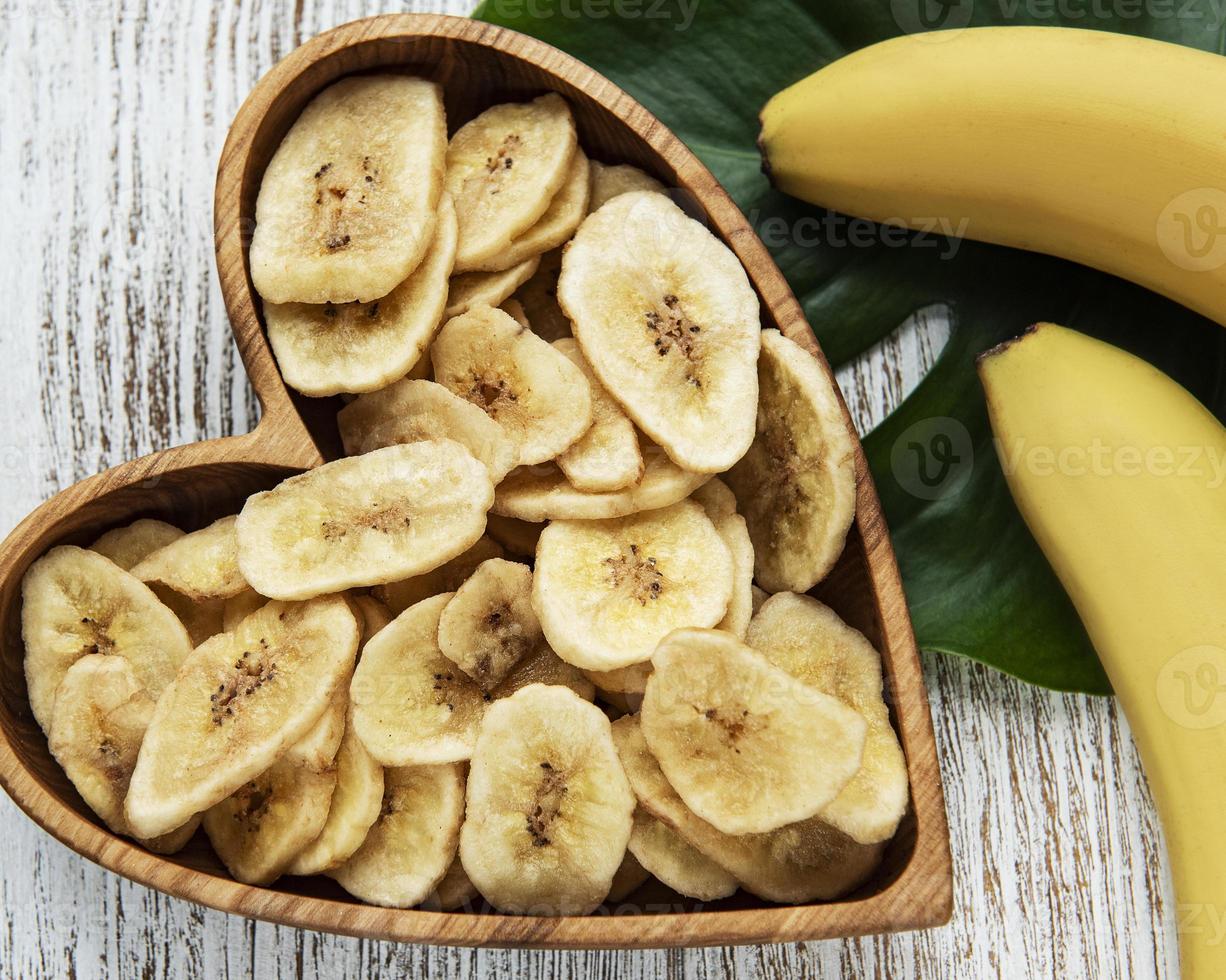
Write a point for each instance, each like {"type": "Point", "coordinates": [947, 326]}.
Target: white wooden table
{"type": "Point", "coordinates": [112, 114]}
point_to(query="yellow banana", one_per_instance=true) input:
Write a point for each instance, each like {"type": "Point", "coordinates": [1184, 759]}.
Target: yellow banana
{"type": "Point", "coordinates": [1121, 477]}
{"type": "Point", "coordinates": [1101, 148]}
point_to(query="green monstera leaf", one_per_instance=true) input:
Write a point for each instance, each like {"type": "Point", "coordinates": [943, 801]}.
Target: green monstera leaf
{"type": "Point", "coordinates": [977, 584]}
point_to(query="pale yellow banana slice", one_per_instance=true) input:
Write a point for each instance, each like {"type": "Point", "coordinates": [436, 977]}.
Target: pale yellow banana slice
{"type": "Point", "coordinates": [411, 705]}
{"type": "Point", "coordinates": [346, 207]}
{"type": "Point", "coordinates": [100, 716]}
{"type": "Point", "coordinates": [237, 608]}
{"type": "Point", "coordinates": [720, 504]}
{"type": "Point", "coordinates": [201, 619]}
{"type": "Point", "coordinates": [796, 486]}
{"type": "Point", "coordinates": [607, 592]}
{"type": "Point", "coordinates": [489, 625]}
{"type": "Point", "coordinates": [541, 400]}
{"type": "Point", "coordinates": [542, 493]}
{"type": "Point", "coordinates": [676, 862]}
{"type": "Point", "coordinates": [237, 704]}
{"type": "Point", "coordinates": [126, 546]}
{"type": "Point", "coordinates": [503, 170]}
{"type": "Point", "coordinates": [747, 746]}
{"type": "Point", "coordinates": [408, 850]}
{"type": "Point", "coordinates": [557, 224]}
{"type": "Point", "coordinates": [455, 891]}
{"type": "Point", "coordinates": [802, 862]}
{"type": "Point", "coordinates": [669, 322]}
{"type": "Point", "coordinates": [607, 456]}
{"type": "Point", "coordinates": [202, 565]}
{"type": "Point", "coordinates": [543, 666]}
{"type": "Point", "coordinates": [259, 829]}
{"type": "Point", "coordinates": [549, 807]}
{"type": "Point", "coordinates": [515, 310]}
{"type": "Point", "coordinates": [470, 289]}
{"type": "Point", "coordinates": [518, 537]}
{"type": "Point", "coordinates": [375, 615]}
{"type": "Point", "coordinates": [629, 878]}
{"type": "Point", "coordinates": [717, 498]}
{"type": "Point", "coordinates": [379, 517]}
{"type": "Point", "coordinates": [354, 807]}
{"type": "Point", "coordinates": [610, 180]}
{"type": "Point", "coordinates": [539, 297]}
{"type": "Point", "coordinates": [809, 641]}
{"type": "Point", "coordinates": [324, 349]}
{"type": "Point", "coordinates": [448, 577]}
{"type": "Point", "coordinates": [75, 603]}
{"type": "Point", "coordinates": [624, 680]}
{"type": "Point", "coordinates": [419, 411]}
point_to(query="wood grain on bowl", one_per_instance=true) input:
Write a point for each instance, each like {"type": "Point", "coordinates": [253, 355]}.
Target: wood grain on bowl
{"type": "Point", "coordinates": [478, 65]}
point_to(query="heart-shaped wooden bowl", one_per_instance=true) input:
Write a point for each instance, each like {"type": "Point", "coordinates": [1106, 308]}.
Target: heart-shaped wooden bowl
{"type": "Point", "coordinates": [478, 65]}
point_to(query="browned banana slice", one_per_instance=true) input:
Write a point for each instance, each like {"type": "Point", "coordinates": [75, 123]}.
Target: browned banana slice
{"type": "Point", "coordinates": [467, 290]}
{"type": "Point", "coordinates": [810, 642]}
{"type": "Point", "coordinates": [797, 484]}
{"type": "Point", "coordinates": [802, 862]}
{"type": "Point", "coordinates": [202, 565]}
{"type": "Point", "coordinates": [345, 347]}
{"type": "Point", "coordinates": [379, 517]}
{"type": "Point", "coordinates": [676, 862]}
{"type": "Point", "coordinates": [448, 577]}
{"type": "Point", "coordinates": [549, 807]}
{"type": "Point", "coordinates": [127, 546]}
{"type": "Point", "coordinates": [629, 877]}
{"type": "Point", "coordinates": [101, 713]}
{"type": "Point", "coordinates": [610, 180]}
{"type": "Point", "coordinates": [489, 625]}
{"type": "Point", "coordinates": [557, 224]}
{"type": "Point", "coordinates": [503, 170]}
{"type": "Point", "coordinates": [607, 456]}
{"type": "Point", "coordinates": [407, 852]}
{"type": "Point", "coordinates": [541, 400]}
{"type": "Point", "coordinates": [668, 321]}
{"type": "Point", "coordinates": [543, 666]}
{"type": "Point", "coordinates": [746, 745]}
{"type": "Point", "coordinates": [542, 493]}
{"type": "Point", "coordinates": [237, 704]}
{"type": "Point", "coordinates": [607, 592]}
{"type": "Point", "coordinates": [518, 537]}
{"type": "Point", "coordinates": [346, 207]}
{"type": "Point", "coordinates": [419, 411]}
{"type": "Point", "coordinates": [74, 603]}
{"type": "Point", "coordinates": [539, 297]}
{"type": "Point", "coordinates": [411, 705]}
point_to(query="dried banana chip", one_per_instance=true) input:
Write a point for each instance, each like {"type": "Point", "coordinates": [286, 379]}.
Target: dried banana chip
{"type": "Point", "coordinates": [607, 592]}
{"type": "Point", "coordinates": [75, 603]}
{"type": "Point", "coordinates": [543, 666]}
{"type": "Point", "coordinates": [411, 705]}
{"type": "Point", "coordinates": [607, 456]}
{"type": "Point", "coordinates": [100, 716]}
{"type": "Point", "coordinates": [716, 499]}
{"type": "Point", "coordinates": [126, 546]}
{"type": "Point", "coordinates": [624, 680]}
{"type": "Point", "coordinates": [489, 625]}
{"type": "Point", "coordinates": [720, 504]}
{"type": "Point", "coordinates": [237, 608]}
{"type": "Point", "coordinates": [541, 400]}
{"type": "Point", "coordinates": [539, 297]}
{"type": "Point", "coordinates": [346, 207]}
{"type": "Point", "coordinates": [201, 619]}
{"type": "Point", "coordinates": [419, 411]}
{"type": "Point", "coordinates": [802, 862]}
{"type": "Point", "coordinates": [759, 597]}
{"type": "Point", "coordinates": [470, 289]}
{"type": "Point", "coordinates": [455, 891]}
{"type": "Point", "coordinates": [746, 746]}
{"type": "Point", "coordinates": [407, 852]}
{"type": "Point", "coordinates": [610, 180]}
{"type": "Point", "coordinates": [518, 537]}
{"type": "Point", "coordinates": [379, 517]}
{"type": "Point", "coordinates": [448, 577]}
{"type": "Point", "coordinates": [503, 170]}
{"type": "Point", "coordinates": [542, 493]}
{"type": "Point", "coordinates": [318, 747]}
{"type": "Point", "coordinates": [202, 565]}
{"type": "Point", "coordinates": [354, 807]}
{"type": "Point", "coordinates": [669, 322]}
{"type": "Point", "coordinates": [324, 349]}
{"type": "Point", "coordinates": [557, 224]}
{"type": "Point", "coordinates": [809, 641]}
{"type": "Point", "coordinates": [797, 484]}
{"type": "Point", "coordinates": [374, 614]}
{"type": "Point", "coordinates": [549, 807]}
{"type": "Point", "coordinates": [237, 704]}
{"type": "Point", "coordinates": [515, 310]}
{"type": "Point", "coordinates": [628, 879]}
{"type": "Point", "coordinates": [676, 862]}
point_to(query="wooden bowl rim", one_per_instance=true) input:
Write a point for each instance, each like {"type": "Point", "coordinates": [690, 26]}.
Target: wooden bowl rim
{"type": "Point", "coordinates": [919, 896]}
